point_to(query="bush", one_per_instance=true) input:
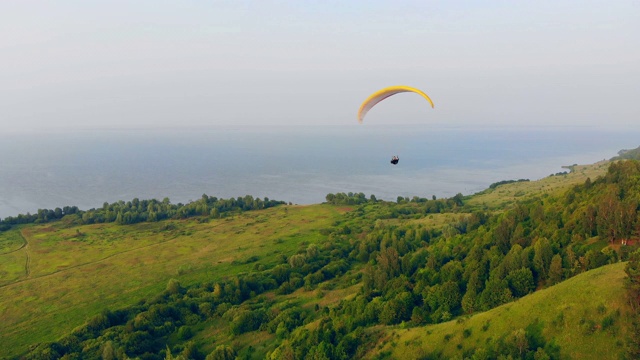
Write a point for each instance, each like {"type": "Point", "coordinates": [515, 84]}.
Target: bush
{"type": "Point", "coordinates": [173, 287]}
{"type": "Point", "coordinates": [486, 325]}
{"type": "Point", "coordinates": [222, 352]}
{"type": "Point", "coordinates": [185, 333]}
{"type": "Point", "coordinates": [608, 321]}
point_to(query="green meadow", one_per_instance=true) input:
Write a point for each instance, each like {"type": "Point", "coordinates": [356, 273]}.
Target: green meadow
{"type": "Point", "coordinates": [507, 195]}
{"type": "Point", "coordinates": [10, 241]}
{"type": "Point", "coordinates": [77, 271]}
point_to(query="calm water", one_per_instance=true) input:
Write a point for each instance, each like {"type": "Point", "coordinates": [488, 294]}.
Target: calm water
{"type": "Point", "coordinates": [296, 164]}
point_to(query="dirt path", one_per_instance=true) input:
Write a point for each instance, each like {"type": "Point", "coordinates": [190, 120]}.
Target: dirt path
{"type": "Point", "coordinates": [27, 265]}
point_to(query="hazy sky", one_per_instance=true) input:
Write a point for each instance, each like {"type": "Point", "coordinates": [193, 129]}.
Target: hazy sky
{"type": "Point", "coordinates": [97, 64]}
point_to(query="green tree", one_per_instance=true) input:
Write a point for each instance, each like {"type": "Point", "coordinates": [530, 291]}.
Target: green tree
{"type": "Point", "coordinates": [119, 219]}
{"type": "Point", "coordinates": [519, 340]}
{"type": "Point", "coordinates": [388, 267]}
{"type": "Point", "coordinates": [218, 291]}
{"type": "Point", "coordinates": [312, 251]}
{"type": "Point", "coordinates": [481, 354]}
{"type": "Point", "coordinates": [555, 270]}
{"type": "Point", "coordinates": [589, 221]}
{"type": "Point", "coordinates": [185, 333]}
{"type": "Point", "coordinates": [449, 296]}
{"type": "Point", "coordinates": [297, 260]}
{"type": "Point", "coordinates": [616, 219]}
{"type": "Point", "coordinates": [222, 352]}
{"type": "Point", "coordinates": [632, 281]}
{"type": "Point", "coordinates": [521, 282]}
{"type": "Point", "coordinates": [282, 352]}
{"type": "Point", "coordinates": [108, 351]}
{"type": "Point", "coordinates": [495, 293]}
{"type": "Point", "coordinates": [389, 314]}
{"type": "Point", "coordinates": [418, 315]}
{"type": "Point", "coordinates": [542, 257]}
{"type": "Point", "coordinates": [173, 286]}
{"type": "Point", "coordinates": [541, 354]}
{"type": "Point", "coordinates": [190, 351]}
{"type": "Point", "coordinates": [469, 301]}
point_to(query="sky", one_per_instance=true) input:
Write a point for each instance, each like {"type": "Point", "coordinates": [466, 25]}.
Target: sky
{"type": "Point", "coordinates": [88, 64]}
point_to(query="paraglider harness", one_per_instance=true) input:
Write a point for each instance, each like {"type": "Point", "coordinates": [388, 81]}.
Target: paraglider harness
{"type": "Point", "coordinates": [394, 160]}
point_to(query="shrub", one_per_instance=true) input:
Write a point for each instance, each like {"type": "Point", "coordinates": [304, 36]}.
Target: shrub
{"type": "Point", "coordinates": [486, 325]}
{"type": "Point", "coordinates": [608, 321]}
{"type": "Point", "coordinates": [185, 333]}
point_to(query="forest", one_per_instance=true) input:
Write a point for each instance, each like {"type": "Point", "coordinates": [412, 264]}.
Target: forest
{"type": "Point", "coordinates": [136, 211]}
{"type": "Point", "coordinates": [399, 265]}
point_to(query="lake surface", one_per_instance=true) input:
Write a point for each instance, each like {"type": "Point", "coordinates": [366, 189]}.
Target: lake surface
{"type": "Point", "coordinates": [295, 164]}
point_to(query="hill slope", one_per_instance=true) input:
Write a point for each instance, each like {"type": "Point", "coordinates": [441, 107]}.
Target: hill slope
{"type": "Point", "coordinates": [584, 316]}
{"type": "Point", "coordinates": [336, 281]}
{"type": "Point", "coordinates": [76, 272]}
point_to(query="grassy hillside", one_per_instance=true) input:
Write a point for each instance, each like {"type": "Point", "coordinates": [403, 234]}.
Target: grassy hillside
{"type": "Point", "coordinates": [586, 316]}
{"type": "Point", "coordinates": [75, 272]}
{"type": "Point", "coordinates": [360, 278]}
{"type": "Point", "coordinates": [508, 194]}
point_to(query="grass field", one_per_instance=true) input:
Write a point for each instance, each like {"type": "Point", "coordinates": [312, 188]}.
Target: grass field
{"type": "Point", "coordinates": [13, 257]}
{"type": "Point", "coordinates": [74, 273]}
{"type": "Point", "coordinates": [572, 314]}
{"type": "Point", "coordinates": [505, 195]}
{"type": "Point", "coordinates": [10, 241]}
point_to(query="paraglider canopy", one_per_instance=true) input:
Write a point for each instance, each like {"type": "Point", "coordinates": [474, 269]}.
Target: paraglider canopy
{"type": "Point", "coordinates": [382, 94]}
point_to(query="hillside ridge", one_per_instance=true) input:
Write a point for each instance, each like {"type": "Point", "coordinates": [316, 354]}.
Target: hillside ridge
{"type": "Point", "coordinates": [354, 277]}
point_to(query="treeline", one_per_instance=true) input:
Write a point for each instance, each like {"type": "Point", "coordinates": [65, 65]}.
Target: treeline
{"type": "Point", "coordinates": [633, 154]}
{"type": "Point", "coordinates": [503, 182]}
{"type": "Point", "coordinates": [408, 273]}
{"type": "Point", "coordinates": [404, 206]}
{"type": "Point", "coordinates": [136, 211]}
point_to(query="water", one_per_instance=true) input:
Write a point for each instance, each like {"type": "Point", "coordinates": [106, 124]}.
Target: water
{"type": "Point", "coordinates": [295, 164]}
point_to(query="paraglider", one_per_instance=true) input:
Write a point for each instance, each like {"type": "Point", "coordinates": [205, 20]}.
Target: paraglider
{"type": "Point", "coordinates": [382, 94]}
